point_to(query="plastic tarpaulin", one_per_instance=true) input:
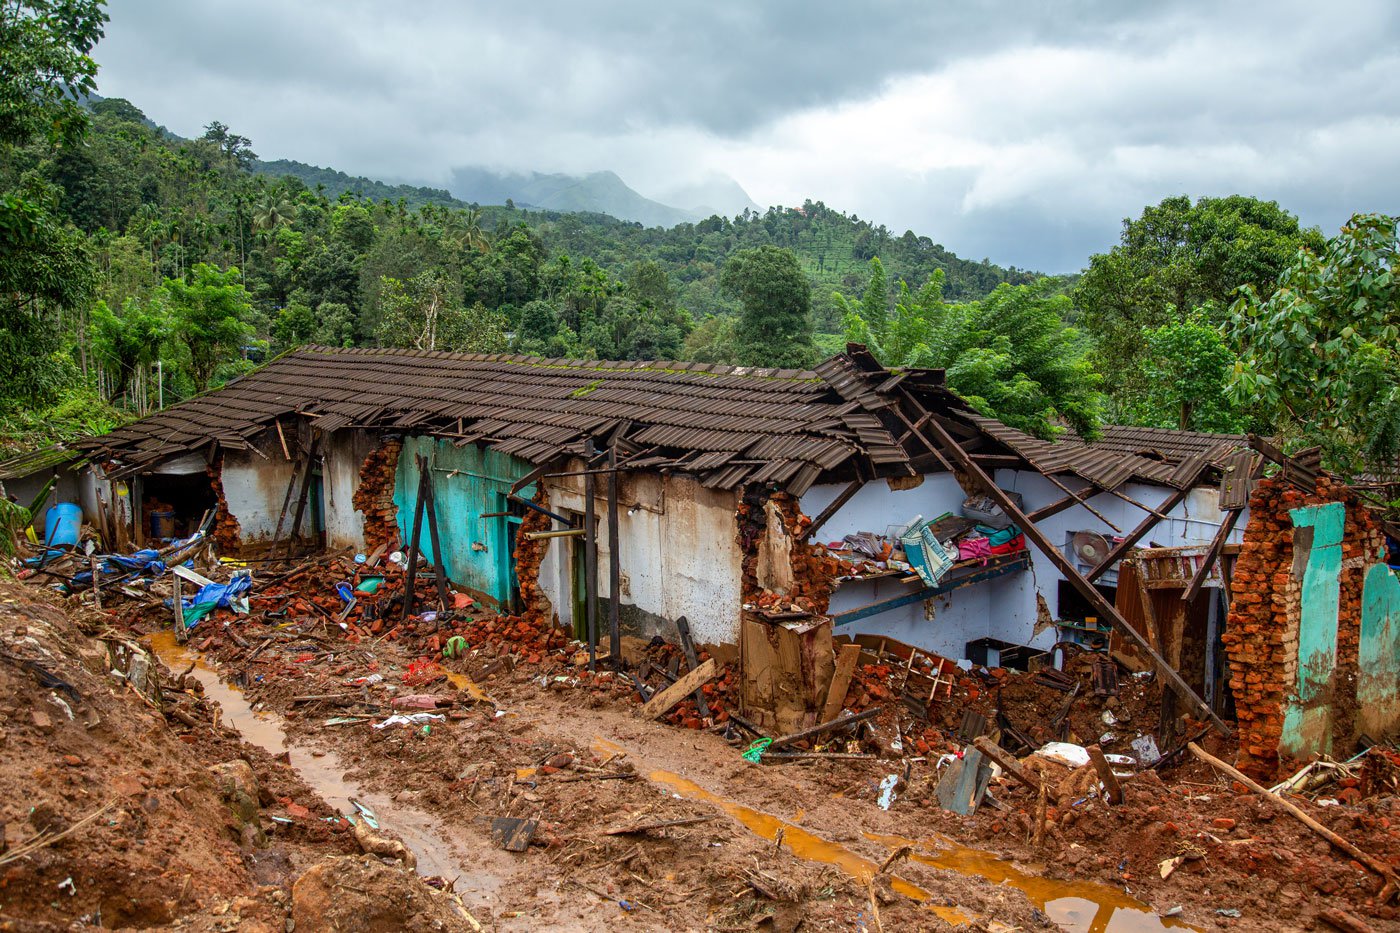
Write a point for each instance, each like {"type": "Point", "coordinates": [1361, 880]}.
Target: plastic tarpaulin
{"type": "Point", "coordinates": [211, 596]}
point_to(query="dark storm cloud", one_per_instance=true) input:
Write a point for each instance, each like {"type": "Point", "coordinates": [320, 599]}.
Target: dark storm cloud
{"type": "Point", "coordinates": [1020, 131]}
{"type": "Point", "coordinates": [724, 67]}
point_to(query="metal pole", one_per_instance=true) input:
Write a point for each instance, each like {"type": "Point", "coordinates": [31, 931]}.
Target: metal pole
{"type": "Point", "coordinates": [614, 566]}
{"type": "Point", "coordinates": [590, 556]}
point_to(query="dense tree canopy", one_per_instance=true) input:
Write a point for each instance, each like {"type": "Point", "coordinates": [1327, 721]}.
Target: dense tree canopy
{"type": "Point", "coordinates": [1010, 354]}
{"type": "Point", "coordinates": [137, 268]}
{"type": "Point", "coordinates": [774, 328]}
{"type": "Point", "coordinates": [1321, 353]}
{"type": "Point", "coordinates": [1177, 258]}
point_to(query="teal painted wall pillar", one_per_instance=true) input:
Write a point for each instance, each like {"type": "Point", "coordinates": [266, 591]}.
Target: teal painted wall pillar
{"type": "Point", "coordinates": [469, 482]}
{"type": "Point", "coordinates": [1317, 566]}
{"type": "Point", "coordinates": [1378, 681]}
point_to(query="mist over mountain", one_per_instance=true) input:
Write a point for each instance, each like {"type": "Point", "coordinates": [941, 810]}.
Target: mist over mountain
{"type": "Point", "coordinates": [715, 194]}
{"type": "Point", "coordinates": [596, 192]}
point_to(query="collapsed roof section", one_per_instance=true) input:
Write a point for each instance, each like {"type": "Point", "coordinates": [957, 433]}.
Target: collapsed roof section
{"type": "Point", "coordinates": [729, 426]}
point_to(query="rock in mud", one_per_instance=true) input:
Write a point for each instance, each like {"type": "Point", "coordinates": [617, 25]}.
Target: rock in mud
{"type": "Point", "coordinates": [376, 844]}
{"type": "Point", "coordinates": [238, 786]}
{"type": "Point", "coordinates": [363, 893]}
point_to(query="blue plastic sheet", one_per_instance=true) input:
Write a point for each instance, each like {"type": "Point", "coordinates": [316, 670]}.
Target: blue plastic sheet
{"type": "Point", "coordinates": [213, 596]}
{"type": "Point", "coordinates": [145, 562]}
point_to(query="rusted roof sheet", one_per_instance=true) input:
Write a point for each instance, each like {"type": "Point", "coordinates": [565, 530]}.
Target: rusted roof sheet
{"type": "Point", "coordinates": [1164, 443]}
{"type": "Point", "coordinates": [1237, 479]}
{"type": "Point", "coordinates": [1109, 464]}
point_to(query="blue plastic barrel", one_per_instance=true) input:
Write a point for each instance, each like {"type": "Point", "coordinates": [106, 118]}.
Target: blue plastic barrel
{"type": "Point", "coordinates": [62, 523]}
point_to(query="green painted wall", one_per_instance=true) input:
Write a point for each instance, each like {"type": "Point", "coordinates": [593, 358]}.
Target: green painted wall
{"type": "Point", "coordinates": [468, 482]}
{"type": "Point", "coordinates": [1378, 684]}
{"type": "Point", "coordinates": [1307, 720]}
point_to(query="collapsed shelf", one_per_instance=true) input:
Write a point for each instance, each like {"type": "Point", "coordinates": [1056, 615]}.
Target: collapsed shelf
{"type": "Point", "coordinates": [960, 576]}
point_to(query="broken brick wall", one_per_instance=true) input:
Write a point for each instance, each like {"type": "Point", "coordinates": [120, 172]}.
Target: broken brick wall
{"type": "Point", "coordinates": [787, 659]}
{"type": "Point", "coordinates": [226, 534]}
{"type": "Point", "coordinates": [1293, 678]}
{"type": "Point", "coordinates": [529, 553]}
{"type": "Point", "coordinates": [780, 566]}
{"type": "Point", "coordinates": [374, 497]}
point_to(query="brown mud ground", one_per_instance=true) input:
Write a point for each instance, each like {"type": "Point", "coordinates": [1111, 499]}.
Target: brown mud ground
{"type": "Point", "coordinates": [771, 846]}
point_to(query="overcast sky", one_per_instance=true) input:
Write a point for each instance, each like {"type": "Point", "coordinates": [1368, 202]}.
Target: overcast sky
{"type": "Point", "coordinates": [1023, 132]}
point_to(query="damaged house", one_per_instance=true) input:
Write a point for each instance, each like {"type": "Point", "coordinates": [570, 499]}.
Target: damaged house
{"type": "Point", "coordinates": [768, 509]}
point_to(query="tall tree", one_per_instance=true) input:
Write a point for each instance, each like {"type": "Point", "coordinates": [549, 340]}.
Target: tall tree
{"type": "Point", "coordinates": [774, 328]}
{"type": "Point", "coordinates": [1177, 257]}
{"type": "Point", "coordinates": [426, 313]}
{"type": "Point", "coordinates": [45, 268]}
{"type": "Point", "coordinates": [1187, 367]}
{"type": "Point", "coordinates": [46, 67]}
{"type": "Point", "coordinates": [209, 316]}
{"type": "Point", "coordinates": [1010, 355]}
{"type": "Point", "coordinates": [127, 340]}
{"type": "Point", "coordinates": [1321, 353]}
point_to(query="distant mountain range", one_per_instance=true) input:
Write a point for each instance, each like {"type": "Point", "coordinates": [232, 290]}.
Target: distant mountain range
{"type": "Point", "coordinates": [596, 192]}
{"type": "Point", "coordinates": [599, 193]}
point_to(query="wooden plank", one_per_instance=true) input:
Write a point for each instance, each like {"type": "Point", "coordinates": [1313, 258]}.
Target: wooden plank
{"type": "Point", "coordinates": [655, 824]}
{"type": "Point", "coordinates": [1146, 525]}
{"type": "Point", "coordinates": [997, 566]}
{"type": "Point", "coordinates": [590, 557]}
{"type": "Point", "coordinates": [837, 723]}
{"type": "Point", "coordinates": [615, 567]}
{"type": "Point", "coordinates": [1113, 791]}
{"type": "Point", "coordinates": [1091, 490]}
{"type": "Point", "coordinates": [1008, 762]}
{"type": "Point", "coordinates": [692, 658]}
{"type": "Point", "coordinates": [190, 575]}
{"type": "Point", "coordinates": [1392, 883]}
{"type": "Point", "coordinates": [1054, 508]}
{"type": "Point", "coordinates": [841, 499]}
{"type": "Point", "coordinates": [847, 657]}
{"type": "Point", "coordinates": [662, 703]}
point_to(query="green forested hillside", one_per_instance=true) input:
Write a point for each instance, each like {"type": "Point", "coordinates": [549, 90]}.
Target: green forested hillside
{"type": "Point", "coordinates": [313, 254]}
{"type": "Point", "coordinates": [137, 268]}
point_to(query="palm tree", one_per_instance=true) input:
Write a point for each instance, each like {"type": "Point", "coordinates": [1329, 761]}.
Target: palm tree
{"type": "Point", "coordinates": [467, 231]}
{"type": "Point", "coordinates": [273, 210]}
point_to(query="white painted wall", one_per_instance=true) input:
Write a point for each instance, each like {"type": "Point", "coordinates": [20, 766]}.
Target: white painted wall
{"type": "Point", "coordinates": [345, 453]}
{"type": "Point", "coordinates": [679, 552]}
{"type": "Point", "coordinates": [254, 488]}
{"type": "Point", "coordinates": [1004, 608]}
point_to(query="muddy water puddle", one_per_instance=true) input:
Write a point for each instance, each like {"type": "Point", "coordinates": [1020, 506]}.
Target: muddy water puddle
{"type": "Point", "coordinates": [421, 832]}
{"type": "Point", "coordinates": [1078, 906]}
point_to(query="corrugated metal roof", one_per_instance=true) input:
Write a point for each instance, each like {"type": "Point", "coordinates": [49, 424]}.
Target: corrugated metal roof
{"type": "Point", "coordinates": [1149, 455]}
{"type": "Point", "coordinates": [530, 407]}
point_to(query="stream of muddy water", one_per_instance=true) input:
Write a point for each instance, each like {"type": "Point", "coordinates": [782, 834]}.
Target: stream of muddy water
{"type": "Point", "coordinates": [1077, 906]}
{"type": "Point", "coordinates": [437, 853]}
{"type": "Point", "coordinates": [1081, 907]}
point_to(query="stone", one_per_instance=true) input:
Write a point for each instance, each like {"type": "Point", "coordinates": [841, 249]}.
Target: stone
{"type": "Point", "coordinates": [238, 786]}
{"type": "Point", "coordinates": [363, 893]}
